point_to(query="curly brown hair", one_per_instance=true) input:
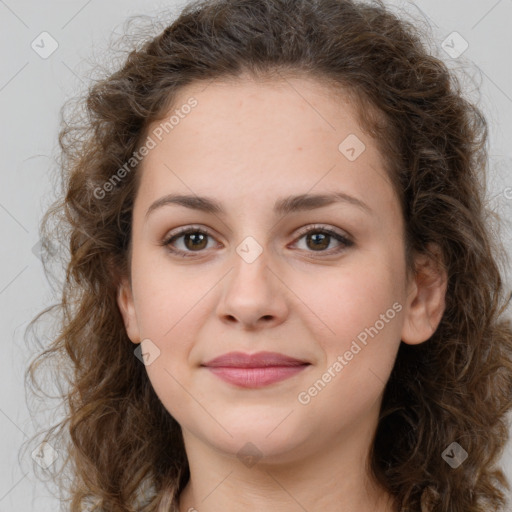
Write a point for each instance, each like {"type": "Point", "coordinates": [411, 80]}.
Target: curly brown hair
{"type": "Point", "coordinates": [125, 451]}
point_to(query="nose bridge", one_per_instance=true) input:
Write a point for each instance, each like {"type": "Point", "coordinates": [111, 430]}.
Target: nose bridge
{"type": "Point", "coordinates": [251, 261]}
{"type": "Point", "coordinates": [251, 292]}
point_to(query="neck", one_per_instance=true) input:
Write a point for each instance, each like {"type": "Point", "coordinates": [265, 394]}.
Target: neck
{"type": "Point", "coordinates": [329, 478]}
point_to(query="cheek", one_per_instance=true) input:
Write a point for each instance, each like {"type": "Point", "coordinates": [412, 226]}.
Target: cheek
{"type": "Point", "coordinates": [172, 304]}
{"type": "Point", "coordinates": [348, 300]}
{"type": "Point", "coordinates": [174, 332]}
{"type": "Point", "coordinates": [361, 318]}
{"type": "Point", "coordinates": [359, 335]}
{"type": "Point", "coordinates": [165, 292]}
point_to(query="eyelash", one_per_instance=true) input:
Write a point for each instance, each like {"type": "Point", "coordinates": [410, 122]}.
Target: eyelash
{"type": "Point", "coordinates": [346, 243]}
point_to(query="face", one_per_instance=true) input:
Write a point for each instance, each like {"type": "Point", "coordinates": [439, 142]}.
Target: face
{"type": "Point", "coordinates": [321, 282]}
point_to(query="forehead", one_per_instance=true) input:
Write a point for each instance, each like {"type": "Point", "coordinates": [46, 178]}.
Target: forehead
{"type": "Point", "coordinates": [264, 106]}
{"type": "Point", "coordinates": [262, 136]}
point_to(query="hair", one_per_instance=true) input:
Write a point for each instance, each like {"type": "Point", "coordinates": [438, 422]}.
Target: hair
{"type": "Point", "coordinates": [124, 450]}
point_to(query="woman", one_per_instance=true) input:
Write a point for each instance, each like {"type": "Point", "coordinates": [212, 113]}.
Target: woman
{"type": "Point", "coordinates": [282, 291]}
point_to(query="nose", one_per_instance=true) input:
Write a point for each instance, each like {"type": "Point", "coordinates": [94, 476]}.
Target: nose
{"type": "Point", "coordinates": [253, 296]}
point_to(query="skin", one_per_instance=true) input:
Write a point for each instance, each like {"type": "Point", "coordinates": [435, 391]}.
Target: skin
{"type": "Point", "coordinates": [247, 144]}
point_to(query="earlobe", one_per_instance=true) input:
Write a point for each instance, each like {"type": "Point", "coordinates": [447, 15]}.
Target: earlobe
{"type": "Point", "coordinates": [426, 300]}
{"type": "Point", "coordinates": [127, 309]}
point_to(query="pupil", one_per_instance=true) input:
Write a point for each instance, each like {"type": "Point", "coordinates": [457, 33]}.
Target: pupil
{"type": "Point", "coordinates": [323, 239]}
{"type": "Point", "coordinates": [192, 236]}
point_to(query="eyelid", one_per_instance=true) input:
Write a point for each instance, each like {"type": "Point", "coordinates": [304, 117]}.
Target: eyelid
{"type": "Point", "coordinates": [322, 227]}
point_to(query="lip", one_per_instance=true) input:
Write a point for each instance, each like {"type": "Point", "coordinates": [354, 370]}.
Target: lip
{"type": "Point", "coordinates": [257, 360]}
{"type": "Point", "coordinates": [255, 370]}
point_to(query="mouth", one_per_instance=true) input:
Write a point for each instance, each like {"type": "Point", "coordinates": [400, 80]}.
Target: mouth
{"type": "Point", "coordinates": [255, 370]}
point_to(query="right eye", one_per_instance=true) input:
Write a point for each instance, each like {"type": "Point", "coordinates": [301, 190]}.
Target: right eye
{"type": "Point", "coordinates": [194, 240]}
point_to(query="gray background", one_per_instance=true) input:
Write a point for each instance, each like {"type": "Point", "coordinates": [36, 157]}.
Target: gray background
{"type": "Point", "coordinates": [32, 90]}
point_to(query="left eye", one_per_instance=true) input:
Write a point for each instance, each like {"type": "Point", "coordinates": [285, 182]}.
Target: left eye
{"type": "Point", "coordinates": [320, 239]}
{"type": "Point", "coordinates": [194, 240]}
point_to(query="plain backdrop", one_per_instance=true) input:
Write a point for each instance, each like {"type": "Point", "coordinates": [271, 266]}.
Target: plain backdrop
{"type": "Point", "coordinates": [34, 86]}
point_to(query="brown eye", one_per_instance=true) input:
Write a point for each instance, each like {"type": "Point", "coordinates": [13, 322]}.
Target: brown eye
{"type": "Point", "coordinates": [193, 240]}
{"type": "Point", "coordinates": [318, 239]}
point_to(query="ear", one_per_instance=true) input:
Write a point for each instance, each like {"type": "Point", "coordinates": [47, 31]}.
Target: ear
{"type": "Point", "coordinates": [127, 308]}
{"type": "Point", "coordinates": [425, 303]}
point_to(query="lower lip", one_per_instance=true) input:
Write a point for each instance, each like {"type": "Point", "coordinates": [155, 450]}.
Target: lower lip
{"type": "Point", "coordinates": [255, 377]}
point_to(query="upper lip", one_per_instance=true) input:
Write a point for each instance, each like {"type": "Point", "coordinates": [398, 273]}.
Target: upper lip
{"type": "Point", "coordinates": [257, 360]}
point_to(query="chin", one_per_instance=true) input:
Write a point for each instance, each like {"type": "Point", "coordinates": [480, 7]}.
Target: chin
{"type": "Point", "coordinates": [257, 445]}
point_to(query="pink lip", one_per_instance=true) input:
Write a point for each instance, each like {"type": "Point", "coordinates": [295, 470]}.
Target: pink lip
{"type": "Point", "coordinates": [254, 370]}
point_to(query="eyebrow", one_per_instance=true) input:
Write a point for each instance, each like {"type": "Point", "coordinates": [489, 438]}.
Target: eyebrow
{"type": "Point", "coordinates": [282, 206]}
